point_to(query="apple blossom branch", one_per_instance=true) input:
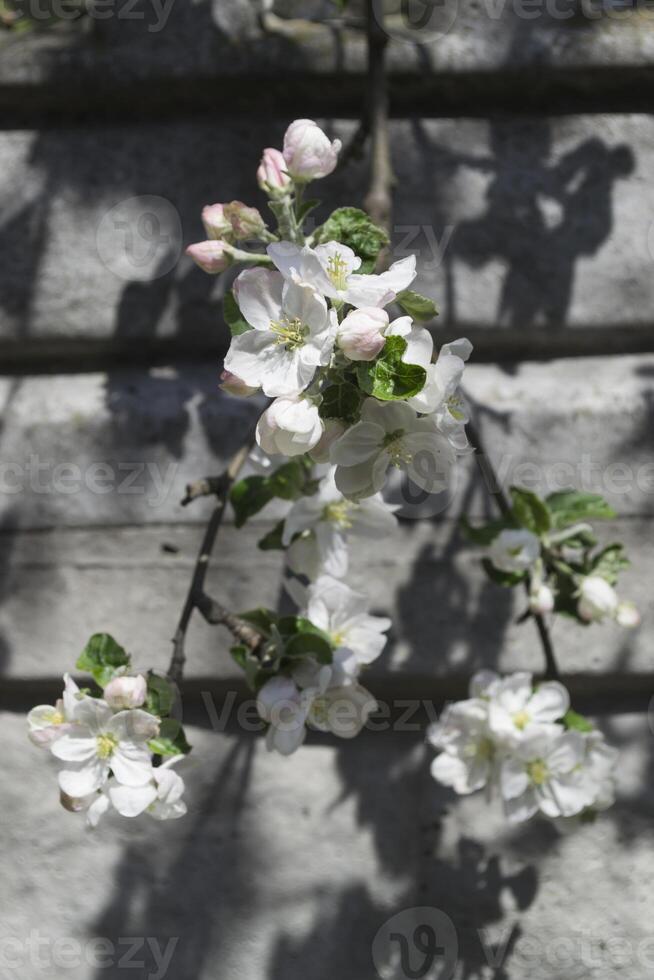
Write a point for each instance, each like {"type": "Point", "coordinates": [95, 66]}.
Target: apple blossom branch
{"type": "Point", "coordinates": [196, 598]}
{"type": "Point", "coordinates": [497, 494]}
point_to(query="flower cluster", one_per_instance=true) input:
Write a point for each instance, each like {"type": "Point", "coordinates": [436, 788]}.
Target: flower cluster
{"type": "Point", "coordinates": [326, 696]}
{"type": "Point", "coordinates": [311, 330]}
{"type": "Point", "coordinates": [523, 742]}
{"type": "Point", "coordinates": [550, 546]}
{"type": "Point", "coordinates": [107, 740]}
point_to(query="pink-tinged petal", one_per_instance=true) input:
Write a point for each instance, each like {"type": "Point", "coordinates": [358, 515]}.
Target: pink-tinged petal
{"type": "Point", "coordinates": [211, 256]}
{"type": "Point", "coordinates": [134, 725]}
{"type": "Point", "coordinates": [259, 296]}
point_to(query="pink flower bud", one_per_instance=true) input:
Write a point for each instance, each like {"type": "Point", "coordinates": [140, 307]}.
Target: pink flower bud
{"type": "Point", "coordinates": [126, 692]}
{"type": "Point", "coordinates": [245, 222]}
{"type": "Point", "coordinates": [271, 174]}
{"type": "Point", "coordinates": [216, 224]}
{"type": "Point", "coordinates": [627, 615]}
{"type": "Point", "coordinates": [233, 385]}
{"type": "Point", "coordinates": [360, 334]}
{"type": "Point", "coordinates": [541, 600]}
{"type": "Point", "coordinates": [211, 256]}
{"type": "Point", "coordinates": [308, 152]}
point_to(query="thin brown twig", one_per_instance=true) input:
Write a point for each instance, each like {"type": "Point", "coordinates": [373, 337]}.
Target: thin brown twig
{"type": "Point", "coordinates": [496, 493]}
{"type": "Point", "coordinates": [196, 597]}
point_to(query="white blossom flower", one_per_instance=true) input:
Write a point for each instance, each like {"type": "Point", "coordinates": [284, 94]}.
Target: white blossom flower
{"type": "Point", "coordinates": [308, 152]}
{"type": "Point", "coordinates": [272, 175]}
{"type": "Point", "coordinates": [544, 772]}
{"type": "Point", "coordinates": [331, 269]}
{"type": "Point", "coordinates": [468, 757]}
{"type": "Point", "coordinates": [101, 741]}
{"type": "Point", "coordinates": [325, 521]}
{"type": "Point", "coordinates": [597, 599]}
{"type": "Point", "coordinates": [126, 692]}
{"type": "Point", "coordinates": [343, 614]}
{"type": "Point", "coordinates": [161, 797]}
{"type": "Point", "coordinates": [598, 770]}
{"type": "Point", "coordinates": [310, 698]}
{"type": "Point", "coordinates": [391, 434]}
{"type": "Point", "coordinates": [515, 708]}
{"type": "Point", "coordinates": [46, 723]}
{"type": "Point", "coordinates": [514, 550]}
{"type": "Point", "coordinates": [290, 426]}
{"type": "Point", "coordinates": [293, 333]}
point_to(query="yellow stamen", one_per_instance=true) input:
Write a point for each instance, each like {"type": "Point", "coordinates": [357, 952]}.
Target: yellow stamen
{"type": "Point", "coordinates": [393, 445]}
{"type": "Point", "coordinates": [337, 271]}
{"type": "Point", "coordinates": [521, 719]}
{"type": "Point", "coordinates": [290, 332]}
{"type": "Point", "coordinates": [338, 513]}
{"type": "Point", "coordinates": [538, 772]}
{"type": "Point", "coordinates": [106, 744]}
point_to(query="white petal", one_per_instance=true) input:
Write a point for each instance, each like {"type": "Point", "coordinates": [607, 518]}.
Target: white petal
{"type": "Point", "coordinates": [513, 779]}
{"type": "Point", "coordinates": [432, 460]}
{"type": "Point", "coordinates": [134, 725]}
{"type": "Point", "coordinates": [521, 808]}
{"type": "Point", "coordinates": [549, 703]}
{"type": "Point", "coordinates": [259, 296]}
{"type": "Point", "coordinates": [97, 810]}
{"type": "Point", "coordinates": [131, 764]}
{"type": "Point", "coordinates": [85, 780]}
{"type": "Point", "coordinates": [390, 416]}
{"type": "Point", "coordinates": [132, 800]}
{"type": "Point", "coordinates": [75, 746]}
{"type": "Point", "coordinates": [359, 443]}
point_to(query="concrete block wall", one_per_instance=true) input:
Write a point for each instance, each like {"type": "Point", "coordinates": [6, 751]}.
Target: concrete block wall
{"type": "Point", "coordinates": [523, 151]}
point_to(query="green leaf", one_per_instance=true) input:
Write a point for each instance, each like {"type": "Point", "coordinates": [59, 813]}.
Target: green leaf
{"type": "Point", "coordinates": [341, 401]}
{"type": "Point", "coordinates": [484, 535]}
{"type": "Point", "coordinates": [251, 494]}
{"type": "Point", "coordinates": [232, 315]}
{"type": "Point", "coordinates": [353, 227]}
{"type": "Point", "coordinates": [500, 577]}
{"type": "Point", "coordinates": [101, 657]}
{"type": "Point", "coordinates": [273, 540]}
{"type": "Point", "coordinates": [171, 739]}
{"type": "Point", "coordinates": [577, 722]}
{"type": "Point", "coordinates": [530, 511]}
{"type": "Point", "coordinates": [255, 675]}
{"type": "Point", "coordinates": [610, 562]}
{"type": "Point", "coordinates": [418, 307]}
{"type": "Point", "coordinates": [304, 639]}
{"type": "Point", "coordinates": [161, 695]}
{"type": "Point", "coordinates": [572, 506]}
{"type": "Point", "coordinates": [262, 619]}
{"type": "Point", "coordinates": [389, 378]}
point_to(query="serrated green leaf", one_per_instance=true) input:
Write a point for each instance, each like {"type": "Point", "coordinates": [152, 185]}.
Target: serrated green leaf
{"type": "Point", "coordinates": [101, 657]}
{"type": "Point", "coordinates": [341, 401]}
{"type": "Point", "coordinates": [530, 511]}
{"type": "Point", "coordinates": [233, 316]}
{"type": "Point", "coordinates": [572, 506]}
{"type": "Point", "coordinates": [354, 228]}
{"type": "Point", "coordinates": [418, 307]}
{"type": "Point", "coordinates": [610, 562]}
{"type": "Point", "coordinates": [389, 378]}
{"type": "Point", "coordinates": [499, 577]}
{"type": "Point", "coordinates": [576, 722]}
